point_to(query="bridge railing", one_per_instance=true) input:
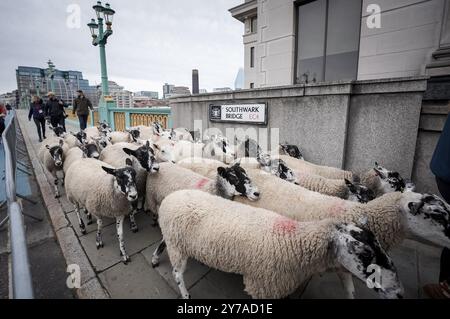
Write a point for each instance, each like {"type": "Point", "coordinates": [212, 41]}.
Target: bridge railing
{"type": "Point", "coordinates": [22, 286]}
{"type": "Point", "coordinates": [121, 118]}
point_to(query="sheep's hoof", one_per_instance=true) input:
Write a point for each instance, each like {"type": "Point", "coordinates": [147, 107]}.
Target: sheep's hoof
{"type": "Point", "coordinates": [89, 222]}
{"type": "Point", "coordinates": [188, 296]}
{"type": "Point", "coordinates": [83, 231]}
{"type": "Point", "coordinates": [99, 245]}
{"type": "Point", "coordinates": [57, 196]}
{"type": "Point", "coordinates": [126, 259]}
{"type": "Point", "coordinates": [155, 263]}
{"type": "Point", "coordinates": [134, 228]}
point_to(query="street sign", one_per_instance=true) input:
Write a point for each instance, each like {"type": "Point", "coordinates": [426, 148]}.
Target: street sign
{"type": "Point", "coordinates": [239, 113]}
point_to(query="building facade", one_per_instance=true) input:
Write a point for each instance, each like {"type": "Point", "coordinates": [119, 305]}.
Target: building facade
{"type": "Point", "coordinates": [175, 91]}
{"type": "Point", "coordinates": [122, 97]}
{"type": "Point", "coordinates": [148, 94]}
{"type": "Point", "coordinates": [9, 98]}
{"type": "Point", "coordinates": [288, 42]}
{"type": "Point", "coordinates": [35, 81]}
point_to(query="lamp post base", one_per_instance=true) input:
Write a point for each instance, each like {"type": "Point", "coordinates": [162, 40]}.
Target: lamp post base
{"type": "Point", "coordinates": [103, 109]}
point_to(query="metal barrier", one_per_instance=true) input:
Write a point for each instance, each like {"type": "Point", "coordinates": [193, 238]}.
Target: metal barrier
{"type": "Point", "coordinates": [21, 275]}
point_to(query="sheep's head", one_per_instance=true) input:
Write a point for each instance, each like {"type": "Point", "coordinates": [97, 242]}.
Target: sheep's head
{"type": "Point", "coordinates": [235, 181]}
{"type": "Point", "coordinates": [80, 136]}
{"type": "Point", "coordinates": [91, 150]}
{"type": "Point", "coordinates": [276, 167]}
{"type": "Point", "coordinates": [291, 150]}
{"type": "Point", "coordinates": [103, 127]}
{"type": "Point", "coordinates": [103, 141]}
{"type": "Point", "coordinates": [390, 181]}
{"type": "Point", "coordinates": [157, 128]}
{"type": "Point", "coordinates": [428, 217]}
{"type": "Point", "coordinates": [165, 151]}
{"type": "Point", "coordinates": [220, 147]}
{"type": "Point", "coordinates": [56, 152]}
{"type": "Point", "coordinates": [124, 180]}
{"type": "Point", "coordinates": [145, 155]}
{"type": "Point", "coordinates": [135, 133]}
{"type": "Point", "coordinates": [358, 250]}
{"type": "Point", "coordinates": [59, 131]}
{"type": "Point", "coordinates": [356, 192]}
{"type": "Point", "coordinates": [169, 134]}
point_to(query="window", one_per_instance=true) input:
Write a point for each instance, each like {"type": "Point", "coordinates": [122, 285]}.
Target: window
{"type": "Point", "coordinates": [252, 85]}
{"type": "Point", "coordinates": [253, 24]}
{"type": "Point", "coordinates": [328, 40]}
{"type": "Point", "coordinates": [252, 57]}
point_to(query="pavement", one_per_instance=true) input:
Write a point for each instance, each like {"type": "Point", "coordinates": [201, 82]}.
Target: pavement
{"type": "Point", "coordinates": [47, 263]}
{"type": "Point", "coordinates": [103, 275]}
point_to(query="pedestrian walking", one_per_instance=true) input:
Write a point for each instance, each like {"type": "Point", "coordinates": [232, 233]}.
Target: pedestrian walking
{"type": "Point", "coordinates": [3, 113]}
{"type": "Point", "coordinates": [54, 108]}
{"type": "Point", "coordinates": [81, 106]}
{"type": "Point", "coordinates": [37, 113]}
{"type": "Point", "coordinates": [440, 166]}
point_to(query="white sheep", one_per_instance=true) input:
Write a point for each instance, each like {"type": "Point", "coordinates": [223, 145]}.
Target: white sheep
{"type": "Point", "coordinates": [104, 191]}
{"type": "Point", "coordinates": [129, 136]}
{"type": "Point", "coordinates": [219, 148]}
{"type": "Point", "coordinates": [273, 253]}
{"type": "Point", "coordinates": [143, 161]}
{"type": "Point", "coordinates": [227, 182]}
{"type": "Point", "coordinates": [51, 154]}
{"type": "Point", "coordinates": [334, 187]}
{"type": "Point", "coordinates": [390, 216]}
{"type": "Point", "coordinates": [174, 151]}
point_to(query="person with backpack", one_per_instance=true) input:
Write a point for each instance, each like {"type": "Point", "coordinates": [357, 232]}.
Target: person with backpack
{"type": "Point", "coordinates": [54, 108]}
{"type": "Point", "coordinates": [38, 114]}
{"type": "Point", "coordinates": [81, 106]}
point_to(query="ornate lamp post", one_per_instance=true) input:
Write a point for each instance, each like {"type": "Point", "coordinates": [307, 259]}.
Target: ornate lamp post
{"type": "Point", "coordinates": [51, 74]}
{"type": "Point", "coordinates": [100, 37]}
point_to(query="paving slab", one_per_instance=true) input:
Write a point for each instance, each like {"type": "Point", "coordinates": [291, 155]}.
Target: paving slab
{"type": "Point", "coordinates": [109, 255]}
{"type": "Point", "coordinates": [405, 259]}
{"type": "Point", "coordinates": [136, 280]}
{"type": "Point", "coordinates": [92, 289]}
{"type": "Point", "coordinates": [73, 219]}
{"type": "Point", "coordinates": [194, 270]}
{"type": "Point", "coordinates": [219, 285]}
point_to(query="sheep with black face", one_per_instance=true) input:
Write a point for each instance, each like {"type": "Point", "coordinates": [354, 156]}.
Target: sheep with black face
{"type": "Point", "coordinates": [104, 191]}
{"type": "Point", "coordinates": [52, 155]}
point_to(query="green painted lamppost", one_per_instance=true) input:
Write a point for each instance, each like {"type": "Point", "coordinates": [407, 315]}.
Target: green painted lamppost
{"type": "Point", "coordinates": [51, 75]}
{"type": "Point", "coordinates": [100, 37]}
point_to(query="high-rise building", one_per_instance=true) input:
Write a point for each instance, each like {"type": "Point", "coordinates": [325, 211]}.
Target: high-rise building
{"type": "Point", "coordinates": [174, 91]}
{"type": "Point", "coordinates": [167, 89]}
{"type": "Point", "coordinates": [239, 82]}
{"type": "Point", "coordinates": [195, 82]}
{"type": "Point", "coordinates": [149, 94]}
{"type": "Point", "coordinates": [35, 81]}
{"type": "Point", "coordinates": [8, 98]}
{"type": "Point", "coordinates": [123, 98]}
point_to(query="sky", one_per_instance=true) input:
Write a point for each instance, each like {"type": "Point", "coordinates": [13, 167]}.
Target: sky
{"type": "Point", "coordinates": [154, 41]}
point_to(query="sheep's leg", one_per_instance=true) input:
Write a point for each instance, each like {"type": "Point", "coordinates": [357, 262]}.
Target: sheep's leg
{"type": "Point", "coordinates": [63, 178]}
{"type": "Point", "coordinates": [98, 237]}
{"type": "Point", "coordinates": [157, 253]}
{"type": "Point", "coordinates": [57, 195]}
{"type": "Point", "coordinates": [347, 282]}
{"type": "Point", "coordinates": [119, 227]}
{"type": "Point", "coordinates": [133, 225]}
{"type": "Point", "coordinates": [178, 272]}
{"type": "Point", "coordinates": [88, 216]}
{"type": "Point", "coordinates": [80, 220]}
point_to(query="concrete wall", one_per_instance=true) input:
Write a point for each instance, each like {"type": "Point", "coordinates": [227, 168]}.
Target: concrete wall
{"type": "Point", "coordinates": [343, 124]}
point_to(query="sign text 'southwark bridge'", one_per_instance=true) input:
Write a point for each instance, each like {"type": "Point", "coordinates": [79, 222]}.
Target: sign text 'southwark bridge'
{"type": "Point", "coordinates": [239, 113]}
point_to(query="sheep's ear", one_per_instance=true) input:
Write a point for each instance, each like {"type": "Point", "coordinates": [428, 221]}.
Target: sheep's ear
{"type": "Point", "coordinates": [376, 164]}
{"type": "Point", "coordinates": [156, 146]}
{"type": "Point", "coordinates": [108, 170]}
{"type": "Point", "coordinates": [221, 171]}
{"type": "Point", "coordinates": [147, 144]}
{"type": "Point", "coordinates": [47, 147]}
{"type": "Point", "coordinates": [128, 162]}
{"type": "Point", "coordinates": [347, 182]}
{"type": "Point", "coordinates": [128, 151]}
{"type": "Point", "coordinates": [410, 187]}
{"type": "Point", "coordinates": [61, 143]}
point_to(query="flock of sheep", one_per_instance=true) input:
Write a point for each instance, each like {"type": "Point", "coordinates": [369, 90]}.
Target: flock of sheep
{"type": "Point", "coordinates": [274, 218]}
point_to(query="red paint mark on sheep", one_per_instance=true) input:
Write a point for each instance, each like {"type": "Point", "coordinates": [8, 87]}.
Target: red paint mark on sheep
{"type": "Point", "coordinates": [337, 207]}
{"type": "Point", "coordinates": [201, 183]}
{"type": "Point", "coordinates": [284, 226]}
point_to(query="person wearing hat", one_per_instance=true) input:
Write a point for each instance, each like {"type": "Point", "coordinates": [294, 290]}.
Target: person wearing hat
{"type": "Point", "coordinates": [54, 108]}
{"type": "Point", "coordinates": [81, 106]}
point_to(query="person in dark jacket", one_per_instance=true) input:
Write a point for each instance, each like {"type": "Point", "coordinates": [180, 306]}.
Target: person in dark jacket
{"type": "Point", "coordinates": [3, 113]}
{"type": "Point", "coordinates": [82, 105]}
{"type": "Point", "coordinates": [37, 112]}
{"type": "Point", "coordinates": [440, 166]}
{"type": "Point", "coordinates": [54, 108]}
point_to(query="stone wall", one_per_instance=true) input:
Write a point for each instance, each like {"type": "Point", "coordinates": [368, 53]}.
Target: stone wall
{"type": "Point", "coordinates": [343, 124]}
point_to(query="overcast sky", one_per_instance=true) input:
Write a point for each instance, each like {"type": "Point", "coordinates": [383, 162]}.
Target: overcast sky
{"type": "Point", "coordinates": [154, 41]}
